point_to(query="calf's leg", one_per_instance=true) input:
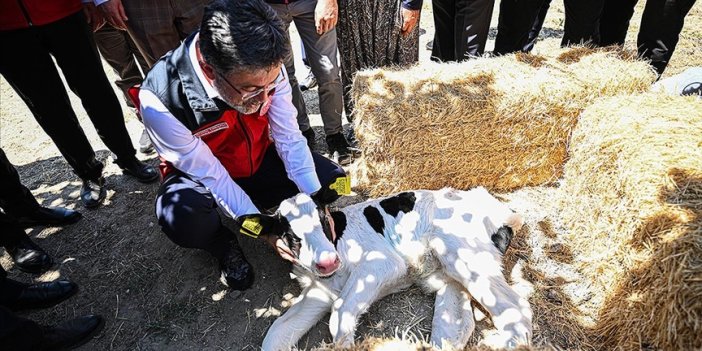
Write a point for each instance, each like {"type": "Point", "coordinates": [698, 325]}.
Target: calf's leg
{"type": "Point", "coordinates": [453, 317]}
{"type": "Point", "coordinates": [308, 308]}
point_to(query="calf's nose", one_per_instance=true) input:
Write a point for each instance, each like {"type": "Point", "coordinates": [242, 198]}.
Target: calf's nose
{"type": "Point", "coordinates": [328, 263]}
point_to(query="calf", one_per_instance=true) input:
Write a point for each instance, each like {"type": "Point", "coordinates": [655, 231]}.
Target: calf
{"type": "Point", "coordinates": [450, 241]}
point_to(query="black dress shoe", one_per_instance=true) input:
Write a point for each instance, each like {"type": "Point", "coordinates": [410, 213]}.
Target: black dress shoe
{"type": "Point", "coordinates": [29, 257]}
{"type": "Point", "coordinates": [92, 192]}
{"type": "Point", "coordinates": [51, 216]}
{"type": "Point", "coordinates": [43, 295]}
{"type": "Point", "coordinates": [237, 273]}
{"type": "Point", "coordinates": [71, 334]}
{"type": "Point", "coordinates": [340, 150]}
{"type": "Point", "coordinates": [310, 137]}
{"type": "Point", "coordinates": [141, 171]}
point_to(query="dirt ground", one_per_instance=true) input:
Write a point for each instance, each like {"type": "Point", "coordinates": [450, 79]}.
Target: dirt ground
{"type": "Point", "coordinates": [157, 296]}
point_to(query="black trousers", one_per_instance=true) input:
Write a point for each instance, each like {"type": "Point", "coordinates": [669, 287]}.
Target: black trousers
{"type": "Point", "coordinates": [661, 24]}
{"type": "Point", "coordinates": [582, 22]}
{"type": "Point", "coordinates": [462, 28]}
{"type": "Point", "coordinates": [16, 333]}
{"type": "Point", "coordinates": [519, 25]}
{"type": "Point", "coordinates": [187, 211]}
{"type": "Point", "coordinates": [28, 67]}
{"type": "Point", "coordinates": [15, 200]}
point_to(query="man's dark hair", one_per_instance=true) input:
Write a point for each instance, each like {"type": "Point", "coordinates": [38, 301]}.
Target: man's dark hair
{"type": "Point", "coordinates": [241, 35]}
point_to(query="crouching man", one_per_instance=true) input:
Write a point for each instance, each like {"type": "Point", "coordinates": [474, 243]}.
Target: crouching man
{"type": "Point", "coordinates": [219, 112]}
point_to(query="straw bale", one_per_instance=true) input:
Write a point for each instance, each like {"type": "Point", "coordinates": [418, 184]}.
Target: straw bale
{"type": "Point", "coordinates": [631, 203]}
{"type": "Point", "coordinates": [500, 122]}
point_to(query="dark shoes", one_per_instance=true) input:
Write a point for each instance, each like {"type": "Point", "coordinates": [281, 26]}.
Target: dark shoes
{"type": "Point", "coordinates": [237, 273]}
{"type": "Point", "coordinates": [309, 136]}
{"type": "Point", "coordinates": [71, 334]}
{"type": "Point", "coordinates": [92, 192]}
{"type": "Point", "coordinates": [49, 216]}
{"type": "Point", "coordinates": [141, 171]}
{"type": "Point", "coordinates": [29, 257]}
{"type": "Point", "coordinates": [43, 295]}
{"type": "Point", "coordinates": [340, 150]}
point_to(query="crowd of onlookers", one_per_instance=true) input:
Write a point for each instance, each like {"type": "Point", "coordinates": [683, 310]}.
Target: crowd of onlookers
{"type": "Point", "coordinates": [339, 37]}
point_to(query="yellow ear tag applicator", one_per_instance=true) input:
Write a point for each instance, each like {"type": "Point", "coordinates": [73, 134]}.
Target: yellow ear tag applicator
{"type": "Point", "coordinates": [341, 185]}
{"type": "Point", "coordinates": [251, 227]}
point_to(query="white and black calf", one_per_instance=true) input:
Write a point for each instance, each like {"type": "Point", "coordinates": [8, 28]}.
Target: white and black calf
{"type": "Point", "coordinates": [451, 241]}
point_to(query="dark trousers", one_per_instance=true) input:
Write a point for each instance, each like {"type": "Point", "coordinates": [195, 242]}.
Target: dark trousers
{"type": "Point", "coordinates": [15, 200]}
{"type": "Point", "coordinates": [16, 333]}
{"type": "Point", "coordinates": [661, 24]}
{"type": "Point", "coordinates": [122, 54]}
{"type": "Point", "coordinates": [187, 212]}
{"type": "Point", "coordinates": [519, 25]}
{"type": "Point", "coordinates": [582, 22]}
{"type": "Point", "coordinates": [462, 28]}
{"type": "Point", "coordinates": [32, 74]}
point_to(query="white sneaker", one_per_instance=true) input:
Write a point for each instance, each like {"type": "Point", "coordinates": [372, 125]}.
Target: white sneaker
{"type": "Point", "coordinates": [145, 146]}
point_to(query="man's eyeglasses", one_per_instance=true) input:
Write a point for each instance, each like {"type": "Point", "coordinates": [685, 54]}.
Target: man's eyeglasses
{"type": "Point", "coordinates": [248, 95]}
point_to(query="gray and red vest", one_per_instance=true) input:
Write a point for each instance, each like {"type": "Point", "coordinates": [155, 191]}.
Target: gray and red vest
{"type": "Point", "coordinates": [238, 141]}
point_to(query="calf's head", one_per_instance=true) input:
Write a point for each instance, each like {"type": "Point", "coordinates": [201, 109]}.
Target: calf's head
{"type": "Point", "coordinates": [309, 236]}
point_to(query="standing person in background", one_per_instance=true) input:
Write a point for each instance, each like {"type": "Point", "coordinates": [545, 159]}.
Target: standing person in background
{"type": "Point", "coordinates": [462, 28]}
{"type": "Point", "coordinates": [315, 21]}
{"type": "Point", "coordinates": [121, 53]}
{"type": "Point", "coordinates": [392, 25]}
{"type": "Point", "coordinates": [661, 24]}
{"type": "Point", "coordinates": [39, 31]}
{"type": "Point", "coordinates": [156, 26]}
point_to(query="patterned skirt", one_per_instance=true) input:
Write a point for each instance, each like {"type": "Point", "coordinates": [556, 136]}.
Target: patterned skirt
{"type": "Point", "coordinates": [369, 36]}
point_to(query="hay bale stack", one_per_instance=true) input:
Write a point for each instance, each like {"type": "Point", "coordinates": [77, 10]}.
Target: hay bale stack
{"type": "Point", "coordinates": [501, 122]}
{"type": "Point", "coordinates": [631, 200]}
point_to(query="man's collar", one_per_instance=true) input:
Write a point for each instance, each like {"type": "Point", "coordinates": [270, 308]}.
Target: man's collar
{"type": "Point", "coordinates": [192, 53]}
{"type": "Point", "coordinates": [199, 92]}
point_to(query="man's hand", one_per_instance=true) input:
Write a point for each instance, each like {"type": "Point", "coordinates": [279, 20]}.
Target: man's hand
{"type": "Point", "coordinates": [326, 14]}
{"type": "Point", "coordinates": [94, 17]}
{"type": "Point", "coordinates": [114, 13]}
{"type": "Point", "coordinates": [409, 21]}
{"type": "Point", "coordinates": [278, 244]}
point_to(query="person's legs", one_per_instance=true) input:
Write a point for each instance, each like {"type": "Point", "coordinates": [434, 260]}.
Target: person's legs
{"type": "Point", "coordinates": [71, 44]}
{"type": "Point", "coordinates": [471, 27]}
{"type": "Point", "coordinates": [32, 74]}
{"type": "Point", "coordinates": [614, 22]}
{"type": "Point", "coordinates": [444, 36]}
{"type": "Point", "coordinates": [516, 19]}
{"type": "Point", "coordinates": [303, 120]}
{"type": "Point", "coordinates": [661, 24]}
{"type": "Point", "coordinates": [187, 214]}
{"type": "Point", "coordinates": [152, 28]}
{"type": "Point", "coordinates": [536, 27]}
{"type": "Point", "coordinates": [114, 46]}
{"type": "Point", "coordinates": [270, 185]}
{"type": "Point", "coordinates": [188, 15]}
{"type": "Point", "coordinates": [582, 22]}
{"type": "Point", "coordinates": [321, 51]}
{"type": "Point", "coordinates": [15, 198]}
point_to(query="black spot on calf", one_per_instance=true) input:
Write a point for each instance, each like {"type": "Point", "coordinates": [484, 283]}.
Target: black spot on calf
{"type": "Point", "coordinates": [401, 202]}
{"type": "Point", "coordinates": [375, 219]}
{"type": "Point", "coordinates": [339, 224]}
{"type": "Point", "coordinates": [502, 238]}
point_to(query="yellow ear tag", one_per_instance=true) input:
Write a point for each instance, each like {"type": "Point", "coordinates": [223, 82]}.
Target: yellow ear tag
{"type": "Point", "coordinates": [342, 185]}
{"type": "Point", "coordinates": [252, 227]}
